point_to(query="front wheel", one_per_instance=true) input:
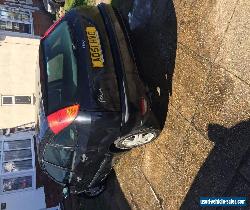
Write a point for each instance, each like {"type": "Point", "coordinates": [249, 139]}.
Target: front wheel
{"type": "Point", "coordinates": [137, 138]}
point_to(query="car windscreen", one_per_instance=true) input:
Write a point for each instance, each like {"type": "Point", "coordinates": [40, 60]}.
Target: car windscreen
{"type": "Point", "coordinates": [61, 68]}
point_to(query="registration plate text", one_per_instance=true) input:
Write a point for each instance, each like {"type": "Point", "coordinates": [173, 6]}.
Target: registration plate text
{"type": "Point", "coordinates": [95, 47]}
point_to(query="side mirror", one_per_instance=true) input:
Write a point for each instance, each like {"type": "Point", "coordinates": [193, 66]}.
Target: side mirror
{"type": "Point", "coordinates": [65, 192]}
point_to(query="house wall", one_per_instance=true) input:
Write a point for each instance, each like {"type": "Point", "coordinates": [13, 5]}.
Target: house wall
{"type": "Point", "coordinates": [35, 197]}
{"type": "Point", "coordinates": [18, 57]}
{"type": "Point", "coordinates": [18, 69]}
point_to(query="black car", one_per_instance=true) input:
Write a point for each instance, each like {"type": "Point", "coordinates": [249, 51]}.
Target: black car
{"type": "Point", "coordinates": [92, 102]}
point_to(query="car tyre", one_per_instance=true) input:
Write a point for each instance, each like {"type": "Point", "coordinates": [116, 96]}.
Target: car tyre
{"type": "Point", "coordinates": [137, 138]}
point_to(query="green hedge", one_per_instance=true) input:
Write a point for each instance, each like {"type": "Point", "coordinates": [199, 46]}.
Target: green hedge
{"type": "Point", "coordinates": [74, 3]}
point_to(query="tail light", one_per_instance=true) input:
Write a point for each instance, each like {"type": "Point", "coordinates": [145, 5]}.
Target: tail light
{"type": "Point", "coordinates": [143, 106]}
{"type": "Point", "coordinates": [51, 28]}
{"type": "Point", "coordinates": [62, 118]}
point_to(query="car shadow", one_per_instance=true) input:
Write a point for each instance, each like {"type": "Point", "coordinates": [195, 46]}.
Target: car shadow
{"type": "Point", "coordinates": [152, 27]}
{"type": "Point", "coordinates": [226, 171]}
{"type": "Point", "coordinates": [111, 199]}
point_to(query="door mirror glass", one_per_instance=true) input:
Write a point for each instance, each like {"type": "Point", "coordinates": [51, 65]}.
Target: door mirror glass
{"type": "Point", "coordinates": [65, 192]}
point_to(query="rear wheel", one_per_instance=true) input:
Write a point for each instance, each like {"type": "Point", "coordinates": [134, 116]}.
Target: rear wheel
{"type": "Point", "coordinates": [137, 138]}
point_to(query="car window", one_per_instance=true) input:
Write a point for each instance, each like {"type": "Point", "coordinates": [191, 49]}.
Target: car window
{"type": "Point", "coordinates": [67, 137]}
{"type": "Point", "coordinates": [57, 173]}
{"type": "Point", "coordinates": [59, 156]}
{"type": "Point", "coordinates": [61, 68]}
{"type": "Point", "coordinates": [55, 68]}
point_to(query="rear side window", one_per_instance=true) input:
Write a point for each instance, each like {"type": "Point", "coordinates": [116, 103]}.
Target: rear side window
{"type": "Point", "coordinates": [59, 156]}
{"type": "Point", "coordinates": [67, 137]}
{"type": "Point", "coordinates": [55, 67]}
{"type": "Point", "coordinates": [61, 67]}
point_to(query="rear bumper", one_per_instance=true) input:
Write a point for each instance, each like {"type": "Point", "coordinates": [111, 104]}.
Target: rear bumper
{"type": "Point", "coordinates": [111, 26]}
{"type": "Point", "coordinates": [131, 87]}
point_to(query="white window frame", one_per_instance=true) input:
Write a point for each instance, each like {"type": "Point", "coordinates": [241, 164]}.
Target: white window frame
{"type": "Point", "coordinates": [17, 21]}
{"type": "Point", "coordinates": [29, 2]}
{"type": "Point", "coordinates": [21, 1]}
{"type": "Point", "coordinates": [22, 173]}
{"type": "Point", "coordinates": [13, 100]}
{"type": "Point", "coordinates": [31, 101]}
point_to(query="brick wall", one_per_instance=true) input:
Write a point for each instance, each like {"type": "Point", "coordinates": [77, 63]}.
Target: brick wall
{"type": "Point", "coordinates": [42, 21]}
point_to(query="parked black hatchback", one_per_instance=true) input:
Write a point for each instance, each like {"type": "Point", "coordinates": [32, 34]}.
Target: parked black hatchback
{"type": "Point", "coordinates": [92, 102]}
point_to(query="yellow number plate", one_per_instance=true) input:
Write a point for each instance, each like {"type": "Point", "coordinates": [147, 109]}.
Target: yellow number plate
{"type": "Point", "coordinates": [95, 47]}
